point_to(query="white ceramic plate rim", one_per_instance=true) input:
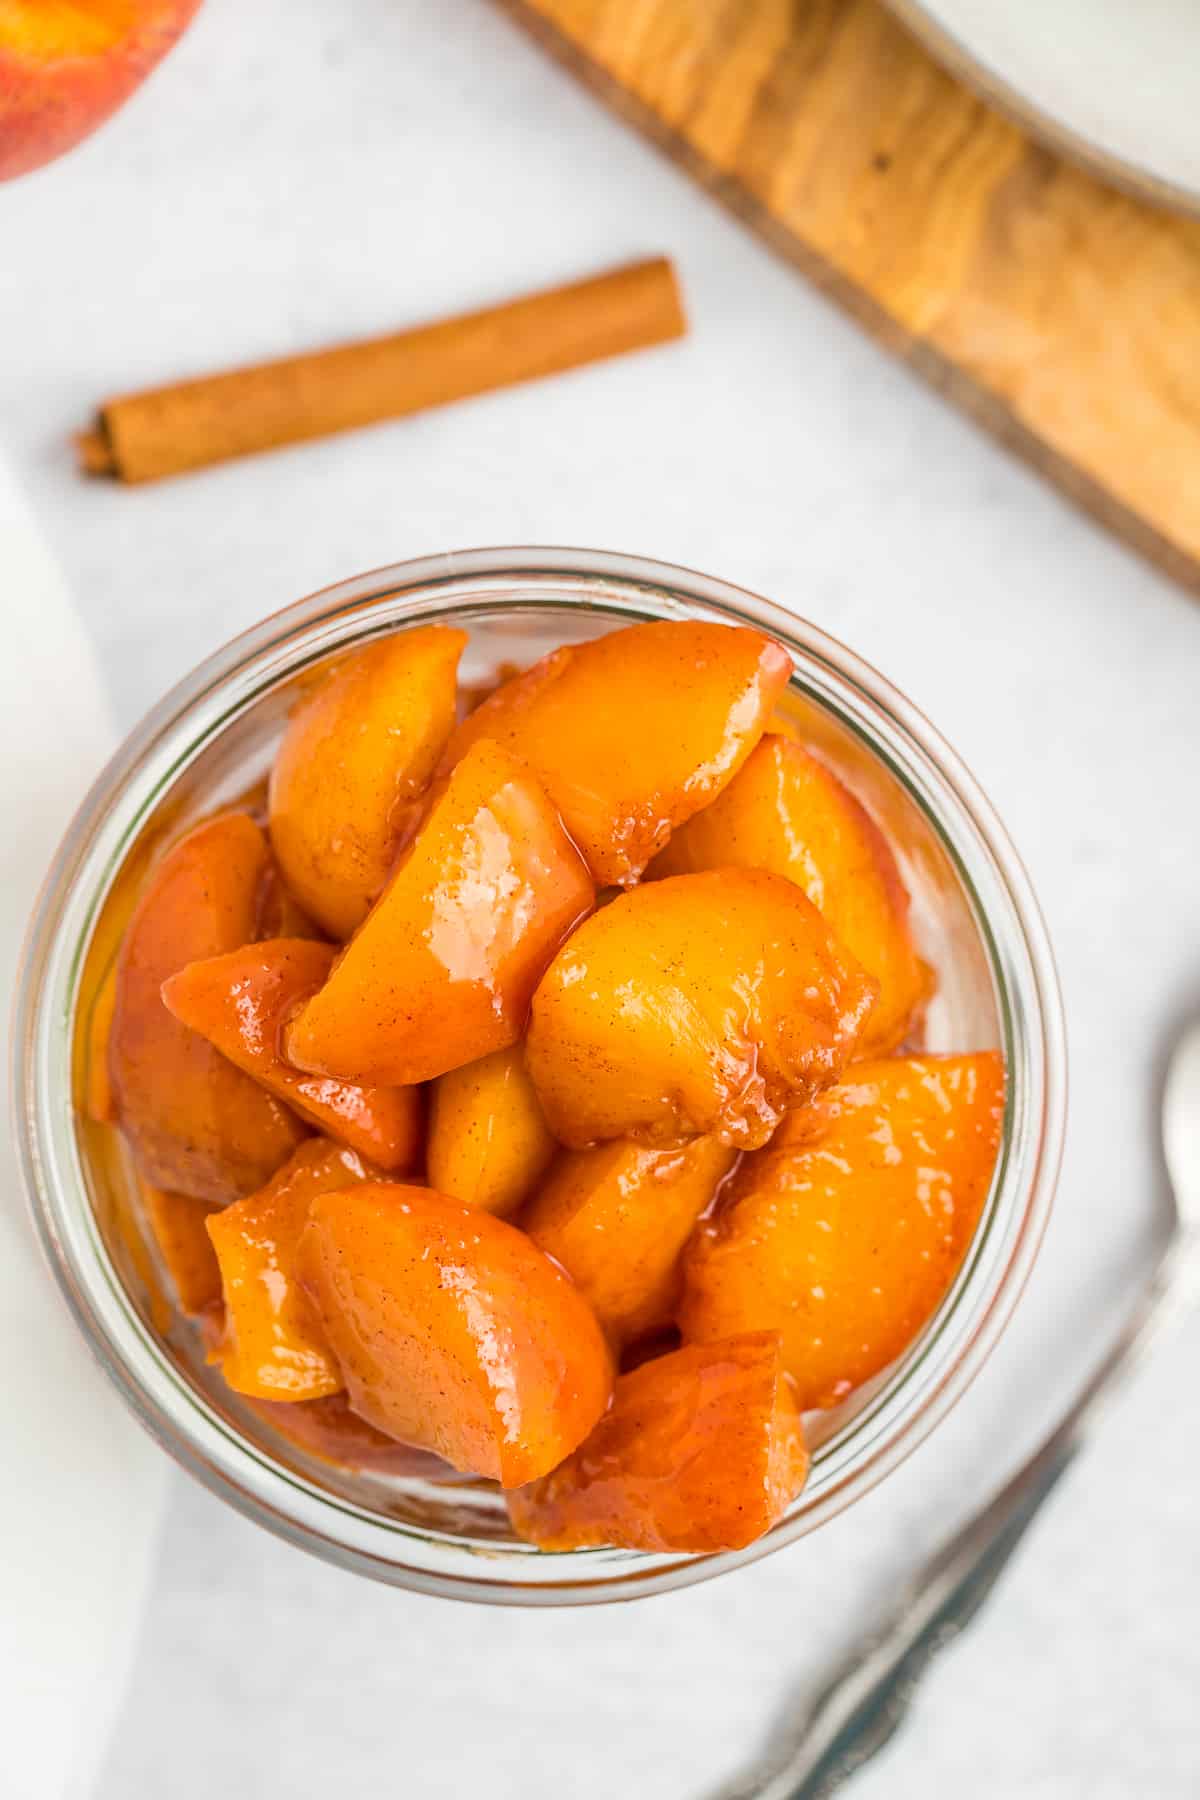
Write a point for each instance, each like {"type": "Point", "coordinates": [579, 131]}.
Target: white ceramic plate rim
{"type": "Point", "coordinates": [1114, 86]}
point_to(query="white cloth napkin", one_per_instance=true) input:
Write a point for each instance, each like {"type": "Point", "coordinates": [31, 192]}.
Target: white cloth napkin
{"type": "Point", "coordinates": [82, 1486]}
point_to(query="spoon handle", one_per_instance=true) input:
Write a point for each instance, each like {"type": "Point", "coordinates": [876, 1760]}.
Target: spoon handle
{"type": "Point", "coordinates": [869, 1695]}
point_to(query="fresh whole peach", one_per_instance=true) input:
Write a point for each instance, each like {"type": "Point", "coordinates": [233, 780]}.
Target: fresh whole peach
{"type": "Point", "coordinates": [453, 1331]}
{"type": "Point", "coordinates": [702, 1004]}
{"type": "Point", "coordinates": [844, 1234]}
{"type": "Point", "coordinates": [65, 65]}
{"type": "Point", "coordinates": [701, 1451]}
{"type": "Point", "coordinates": [632, 733]}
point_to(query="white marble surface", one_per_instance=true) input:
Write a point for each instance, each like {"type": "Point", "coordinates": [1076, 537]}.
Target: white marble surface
{"type": "Point", "coordinates": [299, 172]}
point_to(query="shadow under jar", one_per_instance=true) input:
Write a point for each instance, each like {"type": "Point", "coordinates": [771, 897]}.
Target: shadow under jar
{"type": "Point", "coordinates": [211, 741]}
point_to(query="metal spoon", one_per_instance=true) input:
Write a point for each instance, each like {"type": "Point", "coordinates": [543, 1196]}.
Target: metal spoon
{"type": "Point", "coordinates": [869, 1695]}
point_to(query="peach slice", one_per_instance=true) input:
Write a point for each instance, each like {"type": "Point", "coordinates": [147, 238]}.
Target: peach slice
{"type": "Point", "coordinates": [65, 66]}
{"type": "Point", "coordinates": [702, 1004]}
{"type": "Point", "coordinates": [357, 755]}
{"type": "Point", "coordinates": [617, 1218]}
{"type": "Point", "coordinates": [634, 732]}
{"type": "Point", "coordinates": [280, 914]}
{"type": "Point", "coordinates": [196, 1124]}
{"type": "Point", "coordinates": [702, 1450]}
{"type": "Point", "coordinates": [241, 1001]}
{"type": "Point", "coordinates": [488, 1142]}
{"type": "Point", "coordinates": [177, 1223]}
{"type": "Point", "coordinates": [274, 1348]}
{"type": "Point", "coordinates": [453, 1331]}
{"type": "Point", "coordinates": [332, 1432]}
{"type": "Point", "coordinates": [787, 812]}
{"type": "Point", "coordinates": [845, 1233]}
{"type": "Point", "coordinates": [442, 970]}
{"type": "Point", "coordinates": [98, 1101]}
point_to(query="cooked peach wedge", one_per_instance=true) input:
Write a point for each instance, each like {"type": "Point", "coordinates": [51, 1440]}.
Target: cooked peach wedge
{"type": "Point", "coordinates": [280, 914]}
{"type": "Point", "coordinates": [332, 1432]}
{"type": "Point", "coordinates": [442, 970]}
{"type": "Point", "coordinates": [785, 811]}
{"type": "Point", "coordinates": [241, 1001]}
{"type": "Point", "coordinates": [488, 1142]}
{"type": "Point", "coordinates": [632, 733]}
{"type": "Point", "coordinates": [453, 1332]}
{"type": "Point", "coordinates": [701, 1004]}
{"type": "Point", "coordinates": [98, 1101]}
{"type": "Point", "coordinates": [357, 755]}
{"type": "Point", "coordinates": [177, 1224]}
{"type": "Point", "coordinates": [701, 1451]}
{"type": "Point", "coordinates": [274, 1347]}
{"type": "Point", "coordinates": [196, 1125]}
{"type": "Point", "coordinates": [617, 1218]}
{"type": "Point", "coordinates": [845, 1233]}
{"type": "Point", "coordinates": [653, 962]}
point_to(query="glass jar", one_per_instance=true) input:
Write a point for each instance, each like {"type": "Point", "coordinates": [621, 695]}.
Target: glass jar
{"type": "Point", "coordinates": [209, 741]}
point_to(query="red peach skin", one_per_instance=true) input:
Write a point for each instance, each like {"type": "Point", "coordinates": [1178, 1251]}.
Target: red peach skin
{"type": "Point", "coordinates": [442, 970]}
{"type": "Point", "coordinates": [845, 1233]}
{"type": "Point", "coordinates": [701, 1451]}
{"type": "Point", "coordinates": [632, 733]}
{"type": "Point", "coordinates": [65, 65]}
{"type": "Point", "coordinates": [195, 1124]}
{"type": "Point", "coordinates": [703, 1004]}
{"type": "Point", "coordinates": [241, 1001]}
{"type": "Point", "coordinates": [356, 758]}
{"type": "Point", "coordinates": [453, 1331]}
{"type": "Point", "coordinates": [785, 811]}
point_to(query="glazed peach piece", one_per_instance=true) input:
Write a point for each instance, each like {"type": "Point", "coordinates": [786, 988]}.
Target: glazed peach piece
{"type": "Point", "coordinates": [617, 1219]}
{"type": "Point", "coordinates": [331, 1431]}
{"type": "Point", "coordinates": [280, 914]}
{"type": "Point", "coordinates": [701, 1451]}
{"type": "Point", "coordinates": [701, 1004]}
{"type": "Point", "coordinates": [273, 1347]}
{"type": "Point", "coordinates": [241, 1002]}
{"type": "Point", "coordinates": [177, 1225]}
{"type": "Point", "coordinates": [357, 755]}
{"type": "Point", "coordinates": [453, 1332]}
{"type": "Point", "coordinates": [488, 1143]}
{"type": "Point", "coordinates": [786, 812]}
{"type": "Point", "coordinates": [845, 1233]}
{"type": "Point", "coordinates": [632, 733]}
{"type": "Point", "coordinates": [442, 970]}
{"type": "Point", "coordinates": [195, 1124]}
{"type": "Point", "coordinates": [98, 1101]}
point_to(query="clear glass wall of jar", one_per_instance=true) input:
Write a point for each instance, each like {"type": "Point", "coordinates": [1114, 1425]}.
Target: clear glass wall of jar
{"type": "Point", "coordinates": [211, 740]}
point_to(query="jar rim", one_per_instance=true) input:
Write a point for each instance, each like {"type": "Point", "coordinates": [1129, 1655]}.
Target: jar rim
{"type": "Point", "coordinates": [923, 1384]}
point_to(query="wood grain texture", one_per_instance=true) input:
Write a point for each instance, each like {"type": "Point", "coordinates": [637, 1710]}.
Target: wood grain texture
{"type": "Point", "coordinates": [1061, 314]}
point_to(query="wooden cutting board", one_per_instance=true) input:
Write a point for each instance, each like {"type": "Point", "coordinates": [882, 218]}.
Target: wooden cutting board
{"type": "Point", "coordinates": [1059, 313]}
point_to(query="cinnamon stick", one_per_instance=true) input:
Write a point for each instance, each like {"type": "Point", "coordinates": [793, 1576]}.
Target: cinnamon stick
{"type": "Point", "coordinates": [140, 437]}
